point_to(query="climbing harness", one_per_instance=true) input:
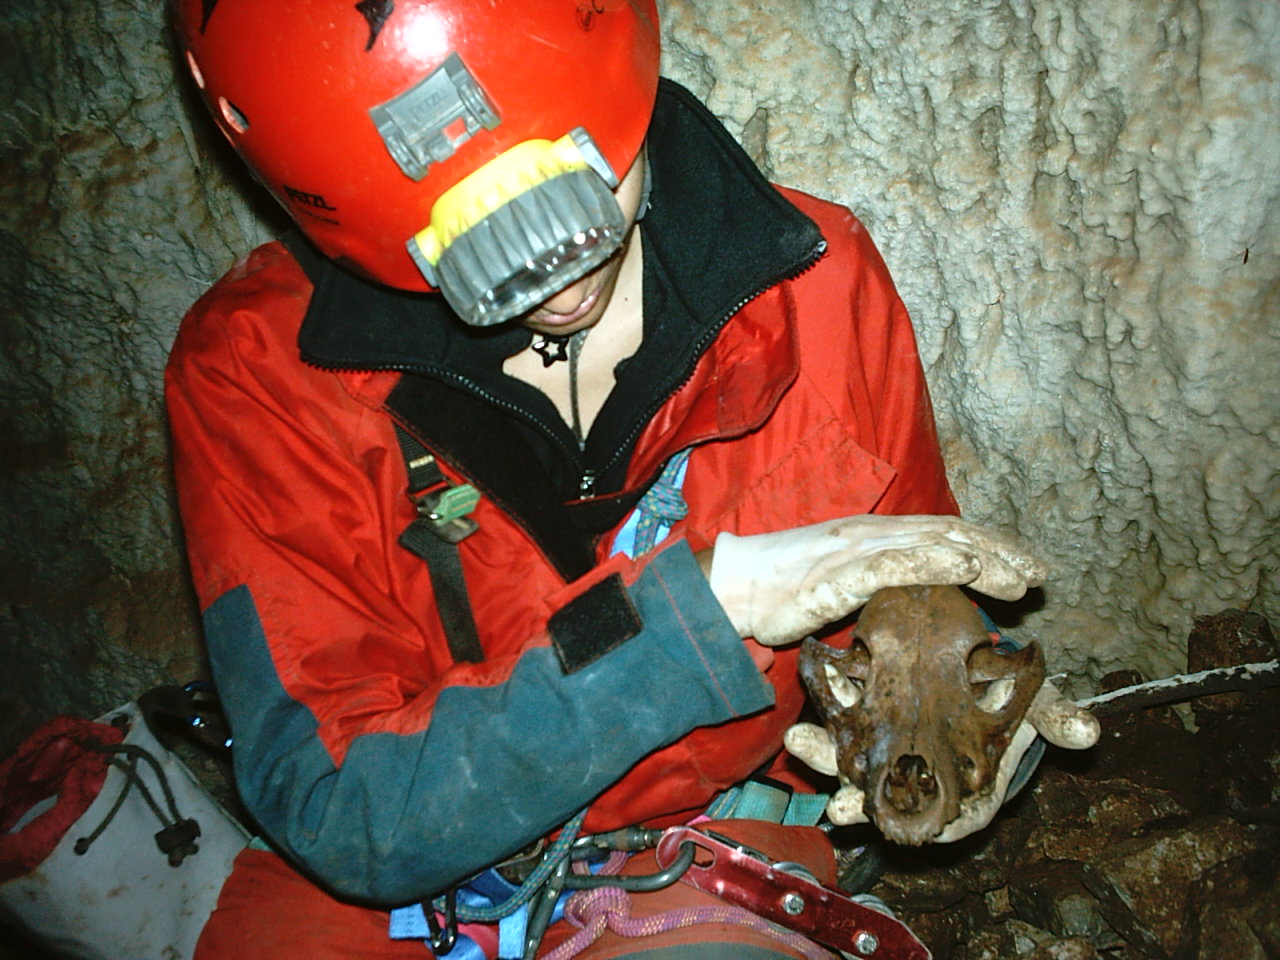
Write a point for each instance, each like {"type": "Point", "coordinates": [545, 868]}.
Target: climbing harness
{"type": "Point", "coordinates": [578, 878]}
{"type": "Point", "coordinates": [778, 899]}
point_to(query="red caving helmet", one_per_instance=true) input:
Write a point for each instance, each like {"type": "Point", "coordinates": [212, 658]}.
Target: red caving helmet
{"type": "Point", "coordinates": [469, 146]}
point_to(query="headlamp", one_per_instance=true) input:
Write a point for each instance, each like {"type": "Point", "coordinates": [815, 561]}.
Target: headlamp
{"type": "Point", "coordinates": [522, 227]}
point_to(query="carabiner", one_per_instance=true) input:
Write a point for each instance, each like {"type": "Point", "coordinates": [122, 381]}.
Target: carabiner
{"type": "Point", "coordinates": [443, 940]}
{"type": "Point", "coordinates": [643, 883]}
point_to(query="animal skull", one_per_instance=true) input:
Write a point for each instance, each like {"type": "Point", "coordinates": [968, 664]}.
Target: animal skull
{"type": "Point", "coordinates": [920, 709]}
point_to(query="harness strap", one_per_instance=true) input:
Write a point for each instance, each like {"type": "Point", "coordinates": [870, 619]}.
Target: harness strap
{"type": "Point", "coordinates": [434, 536]}
{"type": "Point", "coordinates": [764, 799]}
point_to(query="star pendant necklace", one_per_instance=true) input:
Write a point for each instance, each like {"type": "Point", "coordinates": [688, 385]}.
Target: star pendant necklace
{"type": "Point", "coordinates": [554, 349]}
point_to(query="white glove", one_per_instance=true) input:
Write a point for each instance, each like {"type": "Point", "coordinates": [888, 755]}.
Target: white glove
{"type": "Point", "coordinates": [779, 587]}
{"type": "Point", "coordinates": [1051, 715]}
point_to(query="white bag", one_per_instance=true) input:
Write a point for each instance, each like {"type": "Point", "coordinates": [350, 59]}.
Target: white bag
{"type": "Point", "coordinates": [121, 898]}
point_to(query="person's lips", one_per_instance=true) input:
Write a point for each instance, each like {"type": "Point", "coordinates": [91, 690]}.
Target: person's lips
{"type": "Point", "coordinates": [549, 318]}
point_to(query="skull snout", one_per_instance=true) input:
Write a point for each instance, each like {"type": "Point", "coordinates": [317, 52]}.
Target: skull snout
{"type": "Point", "coordinates": [910, 786]}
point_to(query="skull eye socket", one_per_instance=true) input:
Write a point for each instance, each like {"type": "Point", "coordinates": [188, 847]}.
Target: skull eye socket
{"type": "Point", "coordinates": [992, 678]}
{"type": "Point", "coordinates": [847, 679]}
{"type": "Point", "coordinates": [857, 659]}
{"type": "Point", "coordinates": [846, 690]}
{"type": "Point", "coordinates": [992, 696]}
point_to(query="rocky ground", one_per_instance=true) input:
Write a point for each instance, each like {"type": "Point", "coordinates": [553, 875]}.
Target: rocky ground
{"type": "Point", "coordinates": [1162, 842]}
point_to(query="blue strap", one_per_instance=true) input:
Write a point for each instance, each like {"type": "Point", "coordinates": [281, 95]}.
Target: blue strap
{"type": "Point", "coordinates": [410, 923]}
{"type": "Point", "coordinates": [511, 931]}
{"type": "Point", "coordinates": [488, 898]}
{"type": "Point", "coordinates": [758, 800]}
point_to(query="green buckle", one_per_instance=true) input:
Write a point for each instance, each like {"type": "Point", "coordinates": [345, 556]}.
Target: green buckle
{"type": "Point", "coordinates": [452, 503]}
{"type": "Point", "coordinates": [445, 511]}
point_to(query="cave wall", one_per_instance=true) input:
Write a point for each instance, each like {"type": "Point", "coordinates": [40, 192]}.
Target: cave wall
{"type": "Point", "coordinates": [115, 214]}
{"type": "Point", "coordinates": [1080, 202]}
{"type": "Point", "coordinates": [1065, 192]}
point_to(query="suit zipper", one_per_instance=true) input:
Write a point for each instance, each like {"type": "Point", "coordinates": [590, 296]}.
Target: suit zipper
{"type": "Point", "coordinates": [588, 477]}
{"type": "Point", "coordinates": [802, 267]}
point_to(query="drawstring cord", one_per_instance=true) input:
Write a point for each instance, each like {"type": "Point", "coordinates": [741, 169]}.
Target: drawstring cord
{"type": "Point", "coordinates": [177, 834]}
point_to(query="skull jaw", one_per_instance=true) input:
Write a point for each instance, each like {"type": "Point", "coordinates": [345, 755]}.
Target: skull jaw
{"type": "Point", "coordinates": [947, 818]}
{"type": "Point", "coordinates": [909, 830]}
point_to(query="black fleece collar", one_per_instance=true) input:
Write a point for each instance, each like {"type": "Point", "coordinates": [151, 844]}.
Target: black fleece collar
{"type": "Point", "coordinates": [716, 235]}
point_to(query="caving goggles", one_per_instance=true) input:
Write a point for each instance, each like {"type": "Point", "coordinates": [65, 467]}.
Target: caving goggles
{"type": "Point", "coordinates": [451, 145]}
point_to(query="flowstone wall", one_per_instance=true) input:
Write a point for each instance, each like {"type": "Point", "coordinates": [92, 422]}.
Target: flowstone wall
{"type": "Point", "coordinates": [1080, 202]}
{"type": "Point", "coordinates": [114, 215]}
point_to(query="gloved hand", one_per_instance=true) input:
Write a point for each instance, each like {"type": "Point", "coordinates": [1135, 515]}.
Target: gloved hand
{"type": "Point", "coordinates": [778, 587]}
{"type": "Point", "coordinates": [1051, 715]}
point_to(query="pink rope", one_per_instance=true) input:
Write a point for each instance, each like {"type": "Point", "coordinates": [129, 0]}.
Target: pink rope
{"type": "Point", "coordinates": [594, 911]}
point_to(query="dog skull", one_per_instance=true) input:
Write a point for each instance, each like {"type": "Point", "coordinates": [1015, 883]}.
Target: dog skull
{"type": "Point", "coordinates": [920, 708]}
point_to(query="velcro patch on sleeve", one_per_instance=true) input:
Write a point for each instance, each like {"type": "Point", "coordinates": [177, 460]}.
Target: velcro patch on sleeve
{"type": "Point", "coordinates": [593, 623]}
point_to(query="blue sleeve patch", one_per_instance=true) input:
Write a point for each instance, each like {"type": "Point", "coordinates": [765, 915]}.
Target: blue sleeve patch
{"type": "Point", "coordinates": [407, 815]}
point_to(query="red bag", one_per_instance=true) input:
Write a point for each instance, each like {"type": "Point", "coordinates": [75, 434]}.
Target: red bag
{"type": "Point", "coordinates": [47, 786]}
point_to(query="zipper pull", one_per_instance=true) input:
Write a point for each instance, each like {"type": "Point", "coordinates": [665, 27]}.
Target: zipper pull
{"type": "Point", "coordinates": [587, 485]}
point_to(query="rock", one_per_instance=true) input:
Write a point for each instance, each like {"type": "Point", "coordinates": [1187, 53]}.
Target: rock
{"type": "Point", "coordinates": [999, 905]}
{"type": "Point", "coordinates": [1064, 948]}
{"type": "Point", "coordinates": [933, 878]}
{"type": "Point", "coordinates": [1052, 895]}
{"type": "Point", "coordinates": [1113, 810]}
{"type": "Point", "coordinates": [1124, 749]}
{"type": "Point", "coordinates": [941, 931]}
{"type": "Point", "coordinates": [987, 944]}
{"type": "Point", "coordinates": [1228, 639]}
{"type": "Point", "coordinates": [1264, 920]}
{"type": "Point", "coordinates": [1239, 732]}
{"type": "Point", "coordinates": [1015, 938]}
{"type": "Point", "coordinates": [1223, 906]}
{"type": "Point", "coordinates": [1143, 884]}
